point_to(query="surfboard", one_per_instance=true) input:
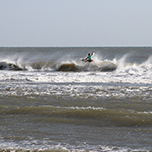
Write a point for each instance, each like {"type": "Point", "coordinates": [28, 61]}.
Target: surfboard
{"type": "Point", "coordinates": [85, 60]}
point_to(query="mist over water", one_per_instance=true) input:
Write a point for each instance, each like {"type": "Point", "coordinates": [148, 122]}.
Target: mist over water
{"type": "Point", "coordinates": [50, 100]}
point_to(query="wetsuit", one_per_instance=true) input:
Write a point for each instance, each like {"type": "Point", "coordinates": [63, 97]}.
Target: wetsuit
{"type": "Point", "coordinates": [89, 58]}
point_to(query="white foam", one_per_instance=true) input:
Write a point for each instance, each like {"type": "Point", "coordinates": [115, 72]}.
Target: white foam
{"type": "Point", "coordinates": [44, 145]}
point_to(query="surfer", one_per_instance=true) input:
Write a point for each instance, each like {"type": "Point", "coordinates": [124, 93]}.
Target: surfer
{"type": "Point", "coordinates": [89, 57]}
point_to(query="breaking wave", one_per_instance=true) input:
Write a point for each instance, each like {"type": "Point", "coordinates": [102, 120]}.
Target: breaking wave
{"type": "Point", "coordinates": [75, 66]}
{"type": "Point", "coordinates": [103, 66]}
{"type": "Point", "coordinates": [69, 60]}
{"type": "Point", "coordinates": [9, 66]}
{"type": "Point", "coordinates": [50, 66]}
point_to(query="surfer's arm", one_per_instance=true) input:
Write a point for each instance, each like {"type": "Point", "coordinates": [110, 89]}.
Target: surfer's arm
{"type": "Point", "coordinates": [92, 53]}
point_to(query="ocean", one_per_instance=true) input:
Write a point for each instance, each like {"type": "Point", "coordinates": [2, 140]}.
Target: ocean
{"type": "Point", "coordinates": [51, 101]}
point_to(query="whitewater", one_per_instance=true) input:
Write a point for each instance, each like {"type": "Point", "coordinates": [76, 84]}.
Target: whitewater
{"type": "Point", "coordinates": [50, 100]}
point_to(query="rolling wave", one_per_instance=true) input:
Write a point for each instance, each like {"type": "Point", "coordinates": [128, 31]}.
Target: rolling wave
{"type": "Point", "coordinates": [83, 115]}
{"type": "Point", "coordinates": [53, 66]}
{"type": "Point", "coordinates": [67, 59]}
{"type": "Point", "coordinates": [9, 66]}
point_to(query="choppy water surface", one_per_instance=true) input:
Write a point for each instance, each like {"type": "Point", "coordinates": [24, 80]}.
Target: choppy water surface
{"type": "Point", "coordinates": [52, 101]}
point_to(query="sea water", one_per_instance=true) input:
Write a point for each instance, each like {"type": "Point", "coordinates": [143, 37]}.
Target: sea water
{"type": "Point", "coordinates": [50, 100]}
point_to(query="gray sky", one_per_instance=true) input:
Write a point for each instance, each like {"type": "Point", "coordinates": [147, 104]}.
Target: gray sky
{"type": "Point", "coordinates": [57, 23]}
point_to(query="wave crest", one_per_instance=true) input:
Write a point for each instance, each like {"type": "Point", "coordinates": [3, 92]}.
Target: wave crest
{"type": "Point", "coordinates": [9, 66]}
{"type": "Point", "coordinates": [53, 66]}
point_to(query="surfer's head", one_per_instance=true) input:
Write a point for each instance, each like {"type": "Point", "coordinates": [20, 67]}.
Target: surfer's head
{"type": "Point", "coordinates": [88, 53]}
